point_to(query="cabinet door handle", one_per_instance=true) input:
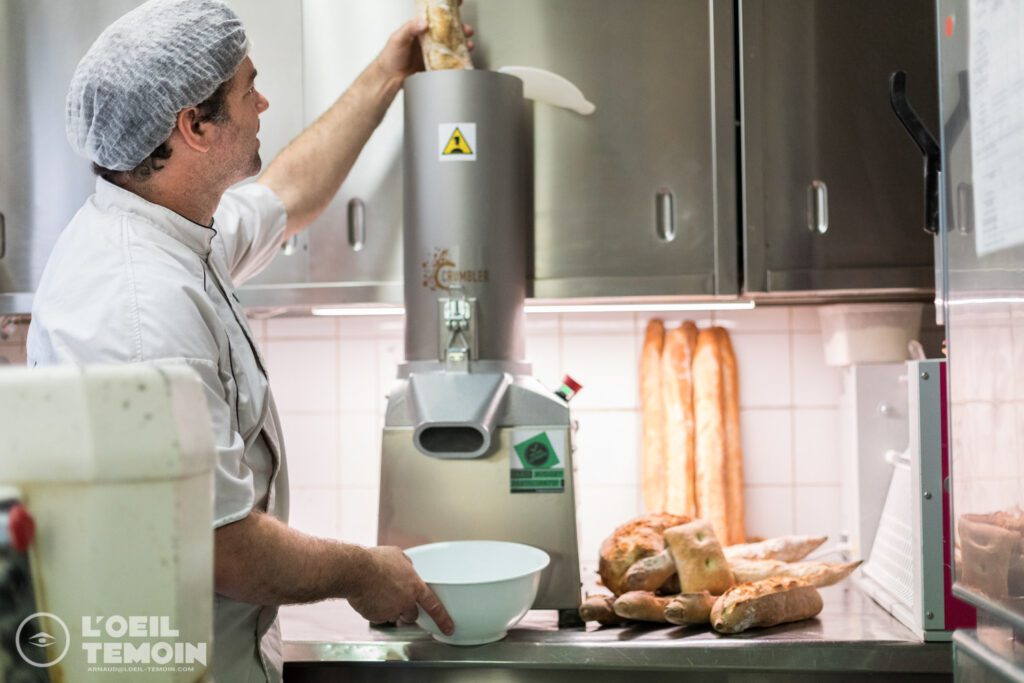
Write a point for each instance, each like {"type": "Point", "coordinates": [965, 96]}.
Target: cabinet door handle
{"type": "Point", "coordinates": [357, 224]}
{"type": "Point", "coordinates": [665, 210]}
{"type": "Point", "coordinates": [817, 207]}
{"type": "Point", "coordinates": [964, 208]}
{"type": "Point", "coordinates": [3, 235]}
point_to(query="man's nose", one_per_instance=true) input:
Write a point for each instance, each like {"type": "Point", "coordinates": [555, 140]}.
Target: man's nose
{"type": "Point", "coordinates": [262, 103]}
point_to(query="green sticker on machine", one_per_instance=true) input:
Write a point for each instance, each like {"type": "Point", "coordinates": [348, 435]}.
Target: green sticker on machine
{"type": "Point", "coordinates": [537, 460]}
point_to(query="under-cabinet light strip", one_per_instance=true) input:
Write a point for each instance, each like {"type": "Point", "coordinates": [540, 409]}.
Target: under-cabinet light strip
{"type": "Point", "coordinates": [563, 308]}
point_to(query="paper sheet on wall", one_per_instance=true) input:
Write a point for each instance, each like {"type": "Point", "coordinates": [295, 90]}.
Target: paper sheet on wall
{"type": "Point", "coordinates": [997, 122]}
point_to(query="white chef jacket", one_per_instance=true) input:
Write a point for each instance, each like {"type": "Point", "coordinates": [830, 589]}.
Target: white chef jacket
{"type": "Point", "coordinates": [130, 281]}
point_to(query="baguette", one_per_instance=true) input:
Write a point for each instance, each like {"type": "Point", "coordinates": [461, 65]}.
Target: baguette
{"type": "Point", "coordinates": [642, 606]}
{"type": "Point", "coordinates": [699, 560]}
{"type": "Point", "coordinates": [653, 415]}
{"type": "Point", "coordinates": [818, 574]}
{"type": "Point", "coordinates": [784, 548]}
{"type": "Point", "coordinates": [444, 43]}
{"type": "Point", "coordinates": [650, 573]}
{"type": "Point", "coordinates": [689, 609]}
{"type": "Point", "coordinates": [677, 392]}
{"type": "Point", "coordinates": [600, 608]}
{"type": "Point", "coordinates": [709, 410]}
{"type": "Point", "coordinates": [765, 603]}
{"type": "Point", "coordinates": [733, 447]}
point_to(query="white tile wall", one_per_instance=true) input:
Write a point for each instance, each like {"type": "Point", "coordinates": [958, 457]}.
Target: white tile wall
{"type": "Point", "coordinates": [789, 416]}
{"type": "Point", "coordinates": [331, 377]}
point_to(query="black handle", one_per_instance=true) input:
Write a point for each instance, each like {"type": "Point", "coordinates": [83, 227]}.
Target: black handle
{"type": "Point", "coordinates": [927, 144]}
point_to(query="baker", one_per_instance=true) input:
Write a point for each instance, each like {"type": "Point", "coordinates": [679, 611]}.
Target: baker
{"type": "Point", "coordinates": [165, 106]}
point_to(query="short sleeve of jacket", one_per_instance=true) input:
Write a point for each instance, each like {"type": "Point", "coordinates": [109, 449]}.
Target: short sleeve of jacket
{"type": "Point", "coordinates": [250, 224]}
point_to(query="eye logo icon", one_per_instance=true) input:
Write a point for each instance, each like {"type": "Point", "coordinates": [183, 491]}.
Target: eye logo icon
{"type": "Point", "coordinates": [42, 649]}
{"type": "Point", "coordinates": [42, 639]}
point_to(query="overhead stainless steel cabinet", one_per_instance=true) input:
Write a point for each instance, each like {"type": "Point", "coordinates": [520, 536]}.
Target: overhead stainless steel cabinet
{"type": "Point", "coordinates": [42, 181]}
{"type": "Point", "coordinates": [833, 187]}
{"type": "Point", "coordinates": [640, 197]}
{"type": "Point", "coordinates": [353, 252]}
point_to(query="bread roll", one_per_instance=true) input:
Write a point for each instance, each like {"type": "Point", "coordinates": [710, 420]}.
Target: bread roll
{"type": "Point", "coordinates": [699, 560]}
{"type": "Point", "coordinates": [444, 43]}
{"type": "Point", "coordinates": [600, 608]}
{"type": "Point", "coordinates": [986, 553]}
{"type": "Point", "coordinates": [689, 609]}
{"type": "Point", "coordinates": [630, 542]}
{"type": "Point", "coordinates": [650, 573]}
{"type": "Point", "coordinates": [733, 447]}
{"type": "Point", "coordinates": [784, 548]}
{"type": "Point", "coordinates": [641, 606]}
{"type": "Point", "coordinates": [677, 390]}
{"type": "Point", "coordinates": [764, 603]}
{"type": "Point", "coordinates": [819, 574]}
{"type": "Point", "coordinates": [709, 413]}
{"type": "Point", "coordinates": [652, 408]}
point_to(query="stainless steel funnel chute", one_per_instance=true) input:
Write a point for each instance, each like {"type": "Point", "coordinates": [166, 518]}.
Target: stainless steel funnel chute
{"type": "Point", "coordinates": [474, 447]}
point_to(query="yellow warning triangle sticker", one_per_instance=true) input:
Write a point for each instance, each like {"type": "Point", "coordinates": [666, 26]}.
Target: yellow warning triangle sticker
{"type": "Point", "coordinates": [457, 144]}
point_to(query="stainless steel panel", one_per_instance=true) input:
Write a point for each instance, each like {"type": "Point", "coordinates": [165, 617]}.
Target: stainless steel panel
{"type": "Point", "coordinates": [428, 500]}
{"type": "Point", "coordinates": [42, 182]}
{"type": "Point", "coordinates": [340, 39]}
{"type": "Point", "coordinates": [275, 31]}
{"type": "Point", "coordinates": [815, 109]}
{"type": "Point", "coordinates": [851, 640]}
{"type": "Point", "coordinates": [661, 75]}
{"type": "Point", "coordinates": [466, 221]}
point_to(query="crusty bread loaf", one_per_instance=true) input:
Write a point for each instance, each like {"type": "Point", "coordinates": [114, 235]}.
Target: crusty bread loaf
{"type": "Point", "coordinates": [690, 608]}
{"type": "Point", "coordinates": [709, 411]}
{"type": "Point", "coordinates": [632, 541]}
{"type": "Point", "coordinates": [444, 43]}
{"type": "Point", "coordinates": [819, 574]}
{"type": "Point", "coordinates": [733, 448]}
{"type": "Point", "coordinates": [652, 411]}
{"type": "Point", "coordinates": [600, 608]}
{"type": "Point", "coordinates": [641, 606]}
{"type": "Point", "coordinates": [699, 560]}
{"type": "Point", "coordinates": [765, 603]}
{"type": "Point", "coordinates": [986, 552]}
{"type": "Point", "coordinates": [650, 573]}
{"type": "Point", "coordinates": [677, 392]}
{"type": "Point", "coordinates": [783, 548]}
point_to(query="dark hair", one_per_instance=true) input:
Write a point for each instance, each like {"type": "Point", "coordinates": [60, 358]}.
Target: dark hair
{"type": "Point", "coordinates": [213, 109]}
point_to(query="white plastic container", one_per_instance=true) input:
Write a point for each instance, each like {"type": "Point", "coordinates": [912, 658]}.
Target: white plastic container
{"type": "Point", "coordinates": [115, 466]}
{"type": "Point", "coordinates": [868, 333]}
{"type": "Point", "coordinates": [486, 586]}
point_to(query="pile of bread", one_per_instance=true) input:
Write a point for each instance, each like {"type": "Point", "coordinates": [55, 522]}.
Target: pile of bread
{"type": "Point", "coordinates": [991, 551]}
{"type": "Point", "coordinates": [444, 43]}
{"type": "Point", "coordinates": [671, 569]}
{"type": "Point", "coordinates": [692, 459]}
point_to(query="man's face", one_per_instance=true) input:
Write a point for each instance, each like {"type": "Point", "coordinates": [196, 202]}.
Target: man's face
{"type": "Point", "coordinates": [239, 145]}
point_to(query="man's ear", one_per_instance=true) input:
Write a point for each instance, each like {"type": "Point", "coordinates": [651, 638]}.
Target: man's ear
{"type": "Point", "coordinates": [194, 132]}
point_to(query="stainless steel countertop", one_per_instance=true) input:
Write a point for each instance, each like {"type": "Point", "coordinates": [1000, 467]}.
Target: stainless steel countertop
{"type": "Point", "coordinates": [852, 634]}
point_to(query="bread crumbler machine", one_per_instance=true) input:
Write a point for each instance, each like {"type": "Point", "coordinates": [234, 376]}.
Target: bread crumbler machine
{"type": "Point", "coordinates": [474, 447]}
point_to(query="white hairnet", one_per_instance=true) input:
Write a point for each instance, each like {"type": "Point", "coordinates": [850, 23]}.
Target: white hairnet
{"type": "Point", "coordinates": [160, 58]}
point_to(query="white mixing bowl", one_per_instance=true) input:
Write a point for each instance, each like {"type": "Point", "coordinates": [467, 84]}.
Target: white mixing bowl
{"type": "Point", "coordinates": [486, 586]}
